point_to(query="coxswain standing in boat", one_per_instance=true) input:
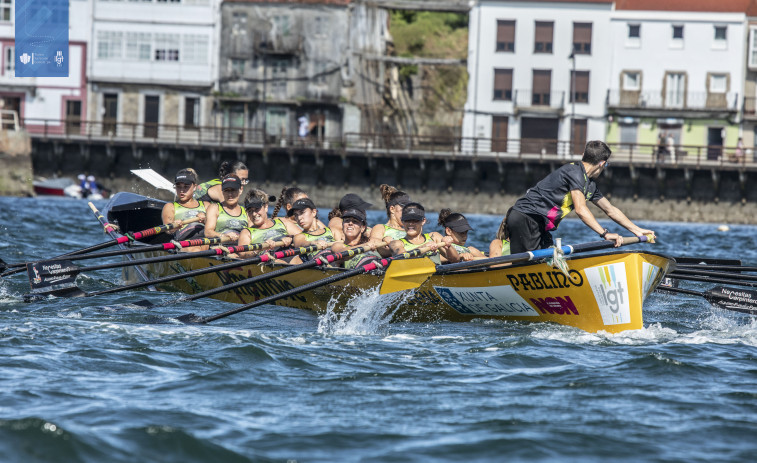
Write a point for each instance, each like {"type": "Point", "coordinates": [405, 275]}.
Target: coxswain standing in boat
{"type": "Point", "coordinates": [413, 219]}
{"type": "Point", "coordinates": [540, 211]}
{"type": "Point", "coordinates": [394, 200]}
{"type": "Point", "coordinates": [211, 190]}
{"type": "Point", "coordinates": [227, 218]}
{"type": "Point", "coordinates": [354, 225]}
{"type": "Point", "coordinates": [185, 207]}
{"type": "Point", "coordinates": [348, 201]}
{"type": "Point", "coordinates": [500, 245]}
{"type": "Point", "coordinates": [286, 199]}
{"type": "Point", "coordinates": [306, 214]}
{"type": "Point", "coordinates": [263, 229]}
{"type": "Point", "coordinates": [457, 227]}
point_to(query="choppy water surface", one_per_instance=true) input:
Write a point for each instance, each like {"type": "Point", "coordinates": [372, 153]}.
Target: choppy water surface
{"type": "Point", "coordinates": [103, 380]}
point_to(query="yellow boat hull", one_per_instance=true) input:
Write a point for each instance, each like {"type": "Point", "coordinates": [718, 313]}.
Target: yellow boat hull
{"type": "Point", "coordinates": [602, 292]}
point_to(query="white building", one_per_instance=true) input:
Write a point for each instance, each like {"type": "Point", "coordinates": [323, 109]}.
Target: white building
{"type": "Point", "coordinates": [538, 73]}
{"type": "Point", "coordinates": [43, 102]}
{"type": "Point", "coordinates": [677, 72]}
{"type": "Point", "coordinates": [152, 62]}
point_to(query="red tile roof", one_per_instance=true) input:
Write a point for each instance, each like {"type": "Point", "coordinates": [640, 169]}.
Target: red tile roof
{"type": "Point", "coordinates": [718, 6]}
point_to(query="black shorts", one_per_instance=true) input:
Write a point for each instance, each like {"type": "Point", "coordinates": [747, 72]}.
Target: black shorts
{"type": "Point", "coordinates": [527, 233]}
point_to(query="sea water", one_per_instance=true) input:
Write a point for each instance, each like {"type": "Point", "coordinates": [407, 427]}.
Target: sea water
{"type": "Point", "coordinates": [108, 380]}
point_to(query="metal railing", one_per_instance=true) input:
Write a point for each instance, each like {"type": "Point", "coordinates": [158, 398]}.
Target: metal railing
{"type": "Point", "coordinates": [388, 144]}
{"type": "Point", "coordinates": [657, 99]}
{"type": "Point", "coordinates": [526, 98]}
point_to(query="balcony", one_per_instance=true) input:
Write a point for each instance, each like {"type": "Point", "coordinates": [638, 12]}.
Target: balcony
{"type": "Point", "coordinates": [750, 107]}
{"type": "Point", "coordinates": [655, 102]}
{"type": "Point", "coordinates": [274, 44]}
{"type": "Point", "coordinates": [525, 101]}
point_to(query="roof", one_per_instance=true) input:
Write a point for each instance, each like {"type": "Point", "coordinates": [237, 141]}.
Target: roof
{"type": "Point", "coordinates": [294, 2]}
{"type": "Point", "coordinates": [715, 6]}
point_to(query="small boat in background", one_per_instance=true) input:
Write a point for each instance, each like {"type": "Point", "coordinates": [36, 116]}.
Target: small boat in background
{"type": "Point", "coordinates": [64, 186]}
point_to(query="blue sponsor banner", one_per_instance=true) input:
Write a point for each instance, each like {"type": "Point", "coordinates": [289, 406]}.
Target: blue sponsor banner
{"type": "Point", "coordinates": [42, 38]}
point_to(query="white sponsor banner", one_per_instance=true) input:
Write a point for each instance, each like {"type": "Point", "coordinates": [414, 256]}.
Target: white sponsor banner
{"type": "Point", "coordinates": [608, 282]}
{"type": "Point", "coordinates": [486, 300]}
{"type": "Point", "coordinates": [649, 275]}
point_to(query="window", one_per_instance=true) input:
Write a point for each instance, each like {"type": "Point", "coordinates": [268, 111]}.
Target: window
{"type": "Point", "coordinates": [631, 81]}
{"type": "Point", "coordinates": [634, 36]}
{"type": "Point", "coordinates": [166, 47]}
{"type": "Point", "coordinates": [109, 44]}
{"type": "Point", "coordinates": [675, 84]}
{"type": "Point", "coordinates": [5, 10]}
{"type": "Point", "coordinates": [191, 112]}
{"type": "Point", "coordinates": [138, 46]}
{"type": "Point", "coordinates": [239, 23]}
{"type": "Point", "coordinates": [579, 84]}
{"type": "Point", "coordinates": [677, 37]}
{"type": "Point", "coordinates": [503, 84]}
{"type": "Point", "coordinates": [543, 37]}
{"type": "Point", "coordinates": [582, 38]}
{"type": "Point", "coordinates": [281, 25]}
{"type": "Point", "coordinates": [628, 132]}
{"type": "Point", "coordinates": [10, 61]}
{"type": "Point", "coordinates": [542, 83]}
{"type": "Point", "coordinates": [321, 25]}
{"type": "Point", "coordinates": [279, 67]}
{"type": "Point", "coordinates": [194, 49]}
{"type": "Point", "coordinates": [720, 39]}
{"type": "Point", "coordinates": [718, 83]}
{"type": "Point", "coordinates": [237, 67]}
{"type": "Point", "coordinates": [505, 36]}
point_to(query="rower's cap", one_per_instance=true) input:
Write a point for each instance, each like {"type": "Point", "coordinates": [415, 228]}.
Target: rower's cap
{"type": "Point", "coordinates": [402, 200]}
{"type": "Point", "coordinates": [353, 201]}
{"type": "Point", "coordinates": [254, 204]}
{"type": "Point", "coordinates": [355, 214]}
{"type": "Point", "coordinates": [458, 223]}
{"type": "Point", "coordinates": [303, 203]}
{"type": "Point", "coordinates": [231, 183]}
{"type": "Point", "coordinates": [413, 211]}
{"type": "Point", "coordinates": [185, 176]}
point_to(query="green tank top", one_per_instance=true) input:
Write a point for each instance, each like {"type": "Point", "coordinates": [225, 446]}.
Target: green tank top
{"type": "Point", "coordinates": [326, 236]}
{"type": "Point", "coordinates": [460, 249]}
{"type": "Point", "coordinates": [505, 248]}
{"type": "Point", "coordinates": [353, 262]}
{"type": "Point", "coordinates": [433, 255]}
{"type": "Point", "coordinates": [393, 233]}
{"type": "Point", "coordinates": [184, 213]}
{"type": "Point", "coordinates": [275, 232]}
{"type": "Point", "coordinates": [202, 189]}
{"type": "Point", "coordinates": [227, 222]}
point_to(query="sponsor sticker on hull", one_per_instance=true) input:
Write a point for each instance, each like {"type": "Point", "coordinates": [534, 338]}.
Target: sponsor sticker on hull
{"type": "Point", "coordinates": [608, 283]}
{"type": "Point", "coordinates": [649, 275]}
{"type": "Point", "coordinates": [486, 300]}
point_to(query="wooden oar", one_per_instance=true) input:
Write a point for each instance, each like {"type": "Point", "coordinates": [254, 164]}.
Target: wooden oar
{"type": "Point", "coordinates": [739, 300]}
{"type": "Point", "coordinates": [192, 318]}
{"type": "Point", "coordinates": [410, 274]}
{"type": "Point", "coordinates": [321, 260]}
{"type": "Point", "coordinates": [56, 277]}
{"type": "Point", "coordinates": [21, 266]}
{"type": "Point", "coordinates": [212, 269]}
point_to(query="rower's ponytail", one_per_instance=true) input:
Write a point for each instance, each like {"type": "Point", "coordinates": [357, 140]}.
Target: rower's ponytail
{"type": "Point", "coordinates": [279, 203]}
{"type": "Point", "coordinates": [443, 214]}
{"type": "Point", "coordinates": [503, 233]}
{"type": "Point", "coordinates": [228, 167]}
{"type": "Point", "coordinates": [389, 193]}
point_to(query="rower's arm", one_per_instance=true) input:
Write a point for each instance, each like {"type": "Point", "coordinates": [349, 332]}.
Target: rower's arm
{"type": "Point", "coordinates": [620, 218]}
{"type": "Point", "coordinates": [211, 218]}
{"type": "Point", "coordinates": [584, 213]}
{"type": "Point", "coordinates": [167, 214]}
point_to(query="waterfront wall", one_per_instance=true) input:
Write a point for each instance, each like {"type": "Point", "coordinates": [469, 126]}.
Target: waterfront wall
{"type": "Point", "coordinates": [15, 163]}
{"type": "Point", "coordinates": [468, 184]}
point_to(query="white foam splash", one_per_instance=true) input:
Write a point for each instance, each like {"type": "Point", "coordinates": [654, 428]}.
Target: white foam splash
{"type": "Point", "coordinates": [365, 313]}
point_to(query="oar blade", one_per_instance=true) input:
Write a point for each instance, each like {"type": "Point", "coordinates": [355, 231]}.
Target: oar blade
{"type": "Point", "coordinates": [405, 274]}
{"type": "Point", "coordinates": [154, 179]}
{"type": "Point", "coordinates": [52, 277]}
{"type": "Point", "coordinates": [191, 319]}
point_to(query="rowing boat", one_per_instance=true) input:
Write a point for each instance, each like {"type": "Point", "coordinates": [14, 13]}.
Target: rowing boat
{"type": "Point", "coordinates": [599, 292]}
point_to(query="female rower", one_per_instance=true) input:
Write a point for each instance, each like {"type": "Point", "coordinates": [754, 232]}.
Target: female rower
{"type": "Point", "coordinates": [227, 217]}
{"type": "Point", "coordinates": [394, 200]}
{"type": "Point", "coordinates": [457, 226]}
{"type": "Point", "coordinates": [185, 207]}
{"type": "Point", "coordinates": [413, 219]}
{"type": "Point", "coordinates": [348, 201]}
{"type": "Point", "coordinates": [287, 197]}
{"type": "Point", "coordinates": [210, 191]}
{"type": "Point", "coordinates": [354, 225]}
{"type": "Point", "coordinates": [500, 246]}
{"type": "Point", "coordinates": [262, 229]}
{"type": "Point", "coordinates": [306, 214]}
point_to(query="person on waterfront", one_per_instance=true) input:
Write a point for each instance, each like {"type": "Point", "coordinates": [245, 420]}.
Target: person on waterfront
{"type": "Point", "coordinates": [227, 218]}
{"type": "Point", "coordinates": [413, 220]}
{"type": "Point", "coordinates": [354, 226]}
{"type": "Point", "coordinates": [457, 227]}
{"type": "Point", "coordinates": [670, 145]}
{"type": "Point", "coordinates": [661, 149]}
{"type": "Point", "coordinates": [306, 215]}
{"type": "Point", "coordinates": [500, 245]}
{"type": "Point", "coordinates": [739, 153]}
{"type": "Point", "coordinates": [288, 197]}
{"type": "Point", "coordinates": [211, 191]}
{"type": "Point", "coordinates": [262, 228]}
{"type": "Point", "coordinates": [542, 208]}
{"type": "Point", "coordinates": [185, 207]}
{"type": "Point", "coordinates": [348, 201]}
{"type": "Point", "coordinates": [394, 200]}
